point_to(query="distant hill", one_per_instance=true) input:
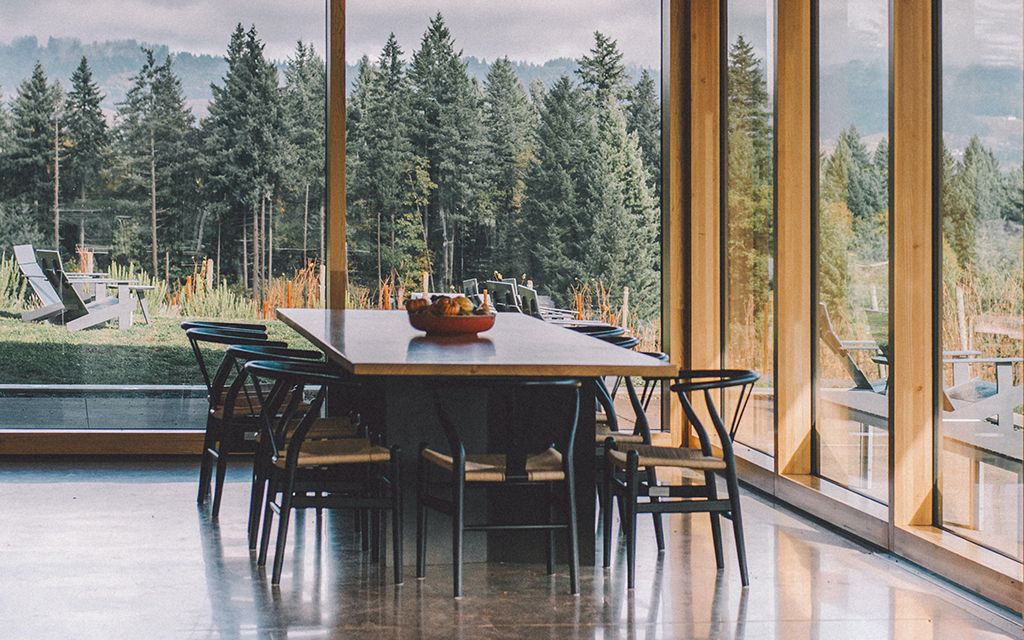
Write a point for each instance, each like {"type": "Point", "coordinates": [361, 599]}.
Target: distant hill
{"type": "Point", "coordinates": [114, 63]}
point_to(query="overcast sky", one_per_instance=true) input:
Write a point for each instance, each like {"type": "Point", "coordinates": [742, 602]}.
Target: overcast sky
{"type": "Point", "coordinates": [531, 30]}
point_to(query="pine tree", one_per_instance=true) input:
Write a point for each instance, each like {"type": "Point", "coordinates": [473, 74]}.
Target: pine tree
{"type": "Point", "coordinates": [643, 117]}
{"type": "Point", "coordinates": [603, 72]}
{"type": "Point", "coordinates": [304, 98]}
{"type": "Point", "coordinates": [448, 134]}
{"type": "Point", "coordinates": [749, 110]}
{"type": "Point", "coordinates": [509, 122]}
{"type": "Point", "coordinates": [959, 211]}
{"type": "Point", "coordinates": [1013, 196]}
{"type": "Point", "coordinates": [867, 193]}
{"type": "Point", "coordinates": [245, 147]}
{"type": "Point", "coordinates": [553, 231]}
{"type": "Point", "coordinates": [157, 140]}
{"type": "Point", "coordinates": [386, 182]}
{"type": "Point", "coordinates": [31, 155]}
{"type": "Point", "coordinates": [984, 168]}
{"type": "Point", "coordinates": [86, 129]}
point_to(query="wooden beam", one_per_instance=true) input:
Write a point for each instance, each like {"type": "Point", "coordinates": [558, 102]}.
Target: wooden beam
{"type": "Point", "coordinates": [912, 334]}
{"type": "Point", "coordinates": [94, 442]}
{"type": "Point", "coordinates": [702, 212]}
{"type": "Point", "coordinates": [337, 258]}
{"type": "Point", "coordinates": [795, 154]}
{"type": "Point", "coordinates": [675, 191]}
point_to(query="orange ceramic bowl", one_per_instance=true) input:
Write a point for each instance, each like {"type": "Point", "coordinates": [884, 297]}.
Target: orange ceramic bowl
{"type": "Point", "coordinates": [451, 325]}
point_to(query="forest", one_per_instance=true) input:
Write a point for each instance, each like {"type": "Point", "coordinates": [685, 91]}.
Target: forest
{"type": "Point", "coordinates": [982, 213]}
{"type": "Point", "coordinates": [556, 182]}
{"type": "Point", "coordinates": [445, 173]}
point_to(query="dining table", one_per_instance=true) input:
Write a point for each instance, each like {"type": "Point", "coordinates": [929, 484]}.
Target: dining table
{"type": "Point", "coordinates": [382, 350]}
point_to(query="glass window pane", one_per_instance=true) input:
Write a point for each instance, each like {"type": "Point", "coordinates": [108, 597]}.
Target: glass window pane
{"type": "Point", "coordinates": [749, 229]}
{"type": "Point", "coordinates": [982, 288]}
{"type": "Point", "coordinates": [853, 246]}
{"type": "Point", "coordinates": [122, 161]}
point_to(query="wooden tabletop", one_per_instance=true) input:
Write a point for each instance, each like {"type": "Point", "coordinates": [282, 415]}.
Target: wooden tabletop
{"type": "Point", "coordinates": [372, 342]}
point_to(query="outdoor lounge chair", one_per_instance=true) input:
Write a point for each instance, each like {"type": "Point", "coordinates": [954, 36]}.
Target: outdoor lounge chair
{"type": "Point", "coordinates": [61, 301]}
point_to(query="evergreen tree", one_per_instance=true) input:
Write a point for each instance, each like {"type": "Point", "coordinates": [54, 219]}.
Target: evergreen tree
{"type": "Point", "coordinates": [245, 148]}
{"type": "Point", "coordinates": [30, 159]}
{"type": "Point", "coordinates": [509, 122]}
{"type": "Point", "coordinates": [1013, 196]}
{"type": "Point", "coordinates": [958, 209]}
{"type": "Point", "coordinates": [983, 166]}
{"type": "Point", "coordinates": [643, 117]}
{"type": "Point", "coordinates": [86, 129]}
{"type": "Point", "coordinates": [619, 248]}
{"type": "Point", "coordinates": [553, 230]}
{"type": "Point", "coordinates": [157, 141]}
{"type": "Point", "coordinates": [748, 106]}
{"type": "Point", "coordinates": [387, 182]}
{"type": "Point", "coordinates": [867, 193]}
{"type": "Point", "coordinates": [305, 116]}
{"type": "Point", "coordinates": [602, 71]}
{"type": "Point", "coordinates": [448, 134]}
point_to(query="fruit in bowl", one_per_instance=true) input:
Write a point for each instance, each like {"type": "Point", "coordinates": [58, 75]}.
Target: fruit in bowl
{"type": "Point", "coordinates": [449, 316]}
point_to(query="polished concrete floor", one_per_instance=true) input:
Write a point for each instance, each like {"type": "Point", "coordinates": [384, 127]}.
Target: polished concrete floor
{"type": "Point", "coordinates": [111, 549]}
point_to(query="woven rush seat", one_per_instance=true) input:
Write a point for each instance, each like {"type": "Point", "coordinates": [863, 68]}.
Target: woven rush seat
{"type": "Point", "coordinates": [651, 456]}
{"type": "Point", "coordinates": [332, 428]}
{"type": "Point", "coordinates": [490, 467]}
{"type": "Point", "coordinates": [342, 451]}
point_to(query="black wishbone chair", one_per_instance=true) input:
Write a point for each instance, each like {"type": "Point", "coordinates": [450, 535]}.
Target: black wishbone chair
{"type": "Point", "coordinates": [340, 473]}
{"type": "Point", "coordinates": [247, 406]}
{"type": "Point", "coordinates": [520, 464]}
{"type": "Point", "coordinates": [638, 493]}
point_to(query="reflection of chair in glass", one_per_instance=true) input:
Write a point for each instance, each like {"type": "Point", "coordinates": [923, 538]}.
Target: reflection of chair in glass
{"type": "Point", "coordinates": [969, 398]}
{"type": "Point", "coordinates": [637, 493]}
{"type": "Point", "coordinates": [529, 458]}
{"type": "Point", "coordinates": [339, 473]}
{"type": "Point", "coordinates": [843, 349]}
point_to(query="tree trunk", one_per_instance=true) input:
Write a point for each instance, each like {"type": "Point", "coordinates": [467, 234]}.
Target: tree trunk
{"type": "Point", "coordinates": [255, 254]}
{"type": "Point", "coordinates": [245, 260]}
{"type": "Point", "coordinates": [56, 179]}
{"type": "Point", "coordinates": [270, 247]}
{"type": "Point", "coordinates": [323, 223]}
{"type": "Point", "coordinates": [305, 226]}
{"type": "Point", "coordinates": [379, 275]}
{"type": "Point", "coordinates": [152, 191]}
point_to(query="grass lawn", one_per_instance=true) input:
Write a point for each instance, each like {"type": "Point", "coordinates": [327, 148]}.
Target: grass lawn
{"type": "Point", "coordinates": [35, 353]}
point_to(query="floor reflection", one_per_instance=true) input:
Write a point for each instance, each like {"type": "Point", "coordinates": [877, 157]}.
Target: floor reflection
{"type": "Point", "coordinates": [91, 553]}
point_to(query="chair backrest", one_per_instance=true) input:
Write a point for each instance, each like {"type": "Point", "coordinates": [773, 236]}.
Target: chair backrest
{"type": "Point", "coordinates": [256, 396]}
{"type": "Point", "coordinates": [528, 297]}
{"type": "Point", "coordinates": [30, 268]}
{"type": "Point", "coordinates": [215, 383]}
{"type": "Point", "coordinates": [709, 381]}
{"type": "Point", "coordinates": [53, 269]}
{"type": "Point", "coordinates": [533, 409]}
{"type": "Point", "coordinates": [828, 335]}
{"type": "Point", "coordinates": [290, 380]}
{"type": "Point", "coordinates": [504, 295]}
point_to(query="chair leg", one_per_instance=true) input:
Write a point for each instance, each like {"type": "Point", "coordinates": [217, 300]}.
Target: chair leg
{"type": "Point", "coordinates": [737, 526]}
{"type": "Point", "coordinates": [629, 519]}
{"type": "Point", "coordinates": [282, 530]}
{"type": "Point", "coordinates": [268, 521]}
{"type": "Point", "coordinates": [606, 510]}
{"type": "Point", "coordinates": [396, 514]}
{"type": "Point", "coordinates": [458, 526]}
{"type": "Point", "coordinates": [574, 544]}
{"type": "Point", "coordinates": [659, 533]}
{"type": "Point", "coordinates": [255, 507]}
{"type": "Point", "coordinates": [206, 466]}
{"type": "Point", "coordinates": [421, 514]}
{"type": "Point", "coordinates": [551, 532]}
{"type": "Point", "coordinates": [222, 468]}
{"type": "Point", "coordinates": [716, 524]}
